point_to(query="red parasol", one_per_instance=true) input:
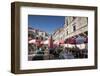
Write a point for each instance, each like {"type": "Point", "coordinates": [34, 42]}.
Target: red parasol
{"type": "Point", "coordinates": [71, 40]}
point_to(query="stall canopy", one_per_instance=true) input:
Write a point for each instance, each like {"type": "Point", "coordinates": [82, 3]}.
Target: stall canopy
{"type": "Point", "coordinates": [32, 41]}
{"type": "Point", "coordinates": [71, 40]}
{"type": "Point", "coordinates": [77, 40]}
{"type": "Point", "coordinates": [62, 42]}
{"type": "Point", "coordinates": [45, 42]}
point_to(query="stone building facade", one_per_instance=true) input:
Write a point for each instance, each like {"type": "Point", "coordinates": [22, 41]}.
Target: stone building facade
{"type": "Point", "coordinates": [73, 26]}
{"type": "Point", "coordinates": [33, 33]}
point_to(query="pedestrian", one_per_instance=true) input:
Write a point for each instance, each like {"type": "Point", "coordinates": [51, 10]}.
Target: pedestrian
{"type": "Point", "coordinates": [66, 54]}
{"type": "Point", "coordinates": [46, 53]}
{"type": "Point", "coordinates": [38, 54]}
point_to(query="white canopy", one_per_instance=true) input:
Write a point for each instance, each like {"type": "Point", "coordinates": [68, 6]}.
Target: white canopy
{"type": "Point", "coordinates": [32, 41]}
{"type": "Point", "coordinates": [56, 42]}
{"type": "Point", "coordinates": [46, 42]}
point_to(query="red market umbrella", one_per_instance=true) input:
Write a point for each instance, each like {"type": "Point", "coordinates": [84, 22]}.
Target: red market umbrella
{"type": "Point", "coordinates": [72, 40]}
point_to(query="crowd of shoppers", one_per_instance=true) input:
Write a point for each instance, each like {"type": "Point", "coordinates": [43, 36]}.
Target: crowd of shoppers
{"type": "Point", "coordinates": [43, 52]}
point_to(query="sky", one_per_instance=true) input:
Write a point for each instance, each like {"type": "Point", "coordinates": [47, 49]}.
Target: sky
{"type": "Point", "coordinates": [46, 23]}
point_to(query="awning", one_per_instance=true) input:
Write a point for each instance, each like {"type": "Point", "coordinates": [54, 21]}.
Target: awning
{"type": "Point", "coordinates": [46, 42]}
{"type": "Point", "coordinates": [62, 42]}
{"type": "Point", "coordinates": [32, 41]}
{"type": "Point", "coordinates": [71, 40]}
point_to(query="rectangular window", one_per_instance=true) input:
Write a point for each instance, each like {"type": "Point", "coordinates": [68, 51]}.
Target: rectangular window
{"type": "Point", "coordinates": [74, 28]}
